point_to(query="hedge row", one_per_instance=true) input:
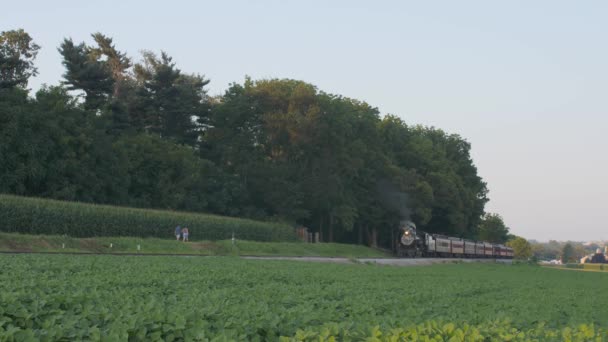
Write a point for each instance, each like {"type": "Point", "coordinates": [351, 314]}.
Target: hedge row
{"type": "Point", "coordinates": [42, 216]}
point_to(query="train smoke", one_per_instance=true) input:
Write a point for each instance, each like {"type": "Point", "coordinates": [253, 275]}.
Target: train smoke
{"type": "Point", "coordinates": [394, 199]}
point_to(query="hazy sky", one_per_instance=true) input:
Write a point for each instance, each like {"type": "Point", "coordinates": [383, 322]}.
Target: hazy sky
{"type": "Point", "coordinates": [521, 80]}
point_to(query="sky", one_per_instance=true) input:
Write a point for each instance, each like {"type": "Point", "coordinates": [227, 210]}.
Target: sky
{"type": "Point", "coordinates": [523, 81]}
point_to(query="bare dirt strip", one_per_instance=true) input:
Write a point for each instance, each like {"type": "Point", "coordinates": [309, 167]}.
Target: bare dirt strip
{"type": "Point", "coordinates": [378, 261]}
{"type": "Point", "coordinates": [574, 269]}
{"type": "Point", "coordinates": [383, 261]}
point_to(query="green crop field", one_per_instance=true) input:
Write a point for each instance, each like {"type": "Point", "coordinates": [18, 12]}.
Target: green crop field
{"type": "Point", "coordinates": [35, 216]}
{"type": "Point", "coordinates": [118, 298]}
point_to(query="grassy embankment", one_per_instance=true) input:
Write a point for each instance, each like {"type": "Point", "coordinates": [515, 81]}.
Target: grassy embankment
{"type": "Point", "coordinates": [11, 242]}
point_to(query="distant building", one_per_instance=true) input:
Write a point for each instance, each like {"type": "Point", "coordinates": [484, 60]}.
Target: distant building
{"type": "Point", "coordinates": [597, 258]}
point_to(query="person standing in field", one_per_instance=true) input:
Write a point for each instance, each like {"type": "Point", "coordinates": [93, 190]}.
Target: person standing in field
{"type": "Point", "coordinates": [178, 232]}
{"type": "Point", "coordinates": [185, 233]}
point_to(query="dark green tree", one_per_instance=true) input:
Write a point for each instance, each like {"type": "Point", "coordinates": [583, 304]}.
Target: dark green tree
{"type": "Point", "coordinates": [168, 102]}
{"type": "Point", "coordinates": [162, 174]}
{"type": "Point", "coordinates": [117, 62]}
{"type": "Point", "coordinates": [17, 146]}
{"type": "Point", "coordinates": [88, 73]}
{"type": "Point", "coordinates": [17, 54]}
{"type": "Point", "coordinates": [568, 254]}
{"type": "Point", "coordinates": [493, 229]}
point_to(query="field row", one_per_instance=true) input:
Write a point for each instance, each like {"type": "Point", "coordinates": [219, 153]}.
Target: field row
{"type": "Point", "coordinates": [175, 298]}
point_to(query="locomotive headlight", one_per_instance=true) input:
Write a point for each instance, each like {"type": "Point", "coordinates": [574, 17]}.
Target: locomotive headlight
{"type": "Point", "coordinates": [408, 237]}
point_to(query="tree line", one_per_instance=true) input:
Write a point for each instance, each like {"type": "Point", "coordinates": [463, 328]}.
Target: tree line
{"type": "Point", "coordinates": [566, 251]}
{"type": "Point", "coordinates": [144, 133]}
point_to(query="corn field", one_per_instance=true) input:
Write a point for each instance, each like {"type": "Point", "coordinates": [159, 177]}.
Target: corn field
{"type": "Point", "coordinates": [42, 216]}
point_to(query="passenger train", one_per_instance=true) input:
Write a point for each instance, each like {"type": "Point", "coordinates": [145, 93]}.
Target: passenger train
{"type": "Point", "coordinates": [413, 243]}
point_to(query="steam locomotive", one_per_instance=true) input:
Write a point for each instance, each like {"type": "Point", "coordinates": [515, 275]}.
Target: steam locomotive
{"type": "Point", "coordinates": [413, 243]}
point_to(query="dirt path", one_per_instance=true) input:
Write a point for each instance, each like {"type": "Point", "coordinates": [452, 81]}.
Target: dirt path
{"type": "Point", "coordinates": [573, 269]}
{"type": "Point", "coordinates": [383, 261]}
{"type": "Point", "coordinates": [337, 260]}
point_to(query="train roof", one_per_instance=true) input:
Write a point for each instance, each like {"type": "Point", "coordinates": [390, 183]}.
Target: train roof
{"type": "Point", "coordinates": [452, 238]}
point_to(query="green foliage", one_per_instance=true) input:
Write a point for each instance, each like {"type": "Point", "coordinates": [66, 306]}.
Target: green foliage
{"type": "Point", "coordinates": [148, 135]}
{"type": "Point", "coordinates": [167, 298]}
{"type": "Point", "coordinates": [17, 54]}
{"type": "Point", "coordinates": [493, 229]}
{"type": "Point", "coordinates": [117, 62]}
{"type": "Point", "coordinates": [436, 171]}
{"type": "Point", "coordinates": [447, 331]}
{"type": "Point", "coordinates": [567, 254]}
{"type": "Point", "coordinates": [52, 148]}
{"type": "Point", "coordinates": [41, 216]}
{"type": "Point", "coordinates": [166, 100]}
{"type": "Point", "coordinates": [88, 72]}
{"type": "Point", "coordinates": [521, 248]}
{"type": "Point", "coordinates": [164, 175]}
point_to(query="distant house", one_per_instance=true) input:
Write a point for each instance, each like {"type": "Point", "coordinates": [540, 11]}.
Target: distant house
{"type": "Point", "coordinates": [597, 258]}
